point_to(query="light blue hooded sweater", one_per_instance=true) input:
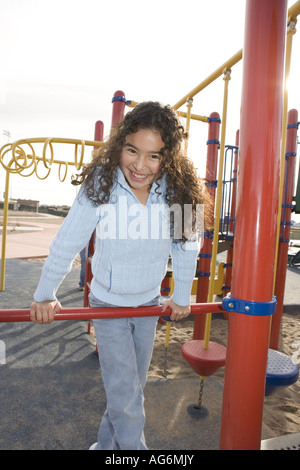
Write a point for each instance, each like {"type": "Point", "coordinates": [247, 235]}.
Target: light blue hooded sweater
{"type": "Point", "coordinates": [131, 248]}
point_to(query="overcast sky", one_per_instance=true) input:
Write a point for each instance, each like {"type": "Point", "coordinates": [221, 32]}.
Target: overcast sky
{"type": "Point", "coordinates": [62, 61]}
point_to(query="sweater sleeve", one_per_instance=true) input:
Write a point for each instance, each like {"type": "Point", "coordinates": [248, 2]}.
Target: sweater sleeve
{"type": "Point", "coordinates": [184, 259]}
{"type": "Point", "coordinates": [71, 238]}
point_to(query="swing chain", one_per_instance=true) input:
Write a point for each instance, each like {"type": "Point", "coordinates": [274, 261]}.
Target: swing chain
{"type": "Point", "coordinates": [199, 406]}
{"type": "Point", "coordinates": [165, 373]}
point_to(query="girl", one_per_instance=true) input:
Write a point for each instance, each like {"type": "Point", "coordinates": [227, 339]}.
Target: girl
{"type": "Point", "coordinates": [134, 193]}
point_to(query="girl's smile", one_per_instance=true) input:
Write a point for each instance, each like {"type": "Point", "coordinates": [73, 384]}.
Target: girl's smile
{"type": "Point", "coordinates": [140, 161]}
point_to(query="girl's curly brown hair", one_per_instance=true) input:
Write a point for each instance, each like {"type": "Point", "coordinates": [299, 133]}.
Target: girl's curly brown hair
{"type": "Point", "coordinates": [183, 183]}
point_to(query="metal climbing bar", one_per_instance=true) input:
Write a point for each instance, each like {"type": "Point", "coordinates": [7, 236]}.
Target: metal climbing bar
{"type": "Point", "coordinates": [227, 217]}
{"type": "Point", "coordinates": [87, 313]}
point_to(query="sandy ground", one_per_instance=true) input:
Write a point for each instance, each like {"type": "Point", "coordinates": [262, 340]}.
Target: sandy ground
{"type": "Point", "coordinates": [281, 410]}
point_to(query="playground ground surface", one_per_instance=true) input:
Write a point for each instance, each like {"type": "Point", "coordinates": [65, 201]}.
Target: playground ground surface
{"type": "Point", "coordinates": [52, 397]}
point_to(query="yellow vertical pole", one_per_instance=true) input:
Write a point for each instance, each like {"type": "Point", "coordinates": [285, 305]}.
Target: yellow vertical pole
{"type": "Point", "coordinates": [289, 40]}
{"type": "Point", "coordinates": [227, 76]}
{"type": "Point", "coordinates": [167, 338]}
{"type": "Point", "coordinates": [4, 232]}
{"type": "Point", "coordinates": [189, 105]}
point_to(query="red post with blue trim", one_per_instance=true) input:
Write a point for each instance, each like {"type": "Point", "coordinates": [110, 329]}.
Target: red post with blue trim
{"type": "Point", "coordinates": [256, 224]}
{"type": "Point", "coordinates": [98, 137]}
{"type": "Point", "coordinates": [204, 263]}
{"type": "Point", "coordinates": [98, 132]}
{"type": "Point", "coordinates": [119, 103]}
{"type": "Point", "coordinates": [286, 212]}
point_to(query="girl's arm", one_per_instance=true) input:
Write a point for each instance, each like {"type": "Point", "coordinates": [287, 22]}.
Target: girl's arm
{"type": "Point", "coordinates": [73, 235]}
{"type": "Point", "coordinates": [178, 312]}
{"type": "Point", "coordinates": [184, 259]}
{"type": "Point", "coordinates": [43, 312]}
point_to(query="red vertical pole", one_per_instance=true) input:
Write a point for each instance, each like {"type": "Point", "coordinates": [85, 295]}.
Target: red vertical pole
{"type": "Point", "coordinates": [99, 132]}
{"type": "Point", "coordinates": [206, 250]}
{"type": "Point", "coordinates": [98, 137]}
{"type": "Point", "coordinates": [290, 164]}
{"type": "Point", "coordinates": [256, 222]}
{"type": "Point", "coordinates": [118, 108]}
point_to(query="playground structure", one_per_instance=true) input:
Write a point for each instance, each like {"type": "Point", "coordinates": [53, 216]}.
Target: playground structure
{"type": "Point", "coordinates": [259, 223]}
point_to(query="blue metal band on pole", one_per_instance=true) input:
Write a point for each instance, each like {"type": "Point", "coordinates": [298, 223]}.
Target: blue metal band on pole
{"type": "Point", "coordinates": [231, 304]}
{"type": "Point", "coordinates": [121, 98]}
{"type": "Point", "coordinates": [232, 147]}
{"type": "Point", "coordinates": [286, 223]}
{"type": "Point", "coordinates": [214, 119]}
{"type": "Point", "coordinates": [211, 183]}
{"type": "Point", "coordinates": [290, 154]}
{"type": "Point", "coordinates": [208, 234]}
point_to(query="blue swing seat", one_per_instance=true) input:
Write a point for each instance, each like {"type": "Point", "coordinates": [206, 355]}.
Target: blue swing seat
{"type": "Point", "coordinates": [281, 371]}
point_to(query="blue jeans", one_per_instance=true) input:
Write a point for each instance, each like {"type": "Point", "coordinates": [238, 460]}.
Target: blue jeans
{"type": "Point", "coordinates": [125, 347]}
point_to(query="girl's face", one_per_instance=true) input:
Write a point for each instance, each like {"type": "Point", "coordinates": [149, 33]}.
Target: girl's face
{"type": "Point", "coordinates": [141, 159]}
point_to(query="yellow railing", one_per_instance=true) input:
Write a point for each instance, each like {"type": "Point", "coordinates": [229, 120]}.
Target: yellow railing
{"type": "Point", "coordinates": [293, 12]}
{"type": "Point", "coordinates": [17, 158]}
{"type": "Point", "coordinates": [20, 158]}
{"type": "Point", "coordinates": [210, 79]}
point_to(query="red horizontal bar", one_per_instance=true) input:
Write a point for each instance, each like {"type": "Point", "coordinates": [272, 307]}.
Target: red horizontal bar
{"type": "Point", "coordinates": [86, 313]}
